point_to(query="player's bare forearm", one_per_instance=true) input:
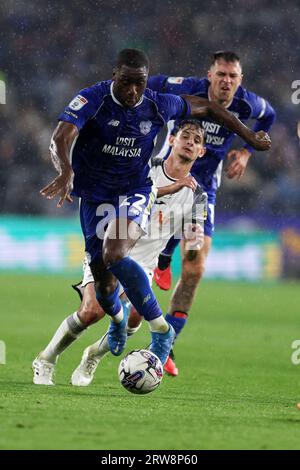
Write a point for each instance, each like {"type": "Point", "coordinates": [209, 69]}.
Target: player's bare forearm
{"type": "Point", "coordinates": [201, 108]}
{"type": "Point", "coordinates": [163, 191]}
{"type": "Point", "coordinates": [61, 142]}
{"type": "Point", "coordinates": [188, 182]}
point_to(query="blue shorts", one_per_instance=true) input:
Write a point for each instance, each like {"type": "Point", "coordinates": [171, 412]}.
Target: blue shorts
{"type": "Point", "coordinates": [95, 217]}
{"type": "Point", "coordinates": [209, 224]}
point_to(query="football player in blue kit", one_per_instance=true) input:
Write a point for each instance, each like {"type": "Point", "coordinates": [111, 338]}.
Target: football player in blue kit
{"type": "Point", "coordinates": [109, 130]}
{"type": "Point", "coordinates": [223, 85]}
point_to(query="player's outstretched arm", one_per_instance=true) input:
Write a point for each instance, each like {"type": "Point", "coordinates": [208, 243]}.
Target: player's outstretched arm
{"type": "Point", "coordinates": [187, 182]}
{"type": "Point", "coordinates": [61, 143]}
{"type": "Point", "coordinates": [201, 108]}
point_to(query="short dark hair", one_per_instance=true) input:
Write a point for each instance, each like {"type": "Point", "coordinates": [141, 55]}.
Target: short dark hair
{"type": "Point", "coordinates": [132, 58]}
{"type": "Point", "coordinates": [190, 122]}
{"type": "Point", "coordinates": [228, 56]}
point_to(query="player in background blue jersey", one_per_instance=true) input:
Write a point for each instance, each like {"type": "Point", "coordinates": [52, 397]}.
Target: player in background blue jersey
{"type": "Point", "coordinates": [109, 129]}
{"type": "Point", "coordinates": [223, 85]}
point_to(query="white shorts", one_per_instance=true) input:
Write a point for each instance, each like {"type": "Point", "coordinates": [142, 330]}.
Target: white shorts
{"type": "Point", "coordinates": [88, 276]}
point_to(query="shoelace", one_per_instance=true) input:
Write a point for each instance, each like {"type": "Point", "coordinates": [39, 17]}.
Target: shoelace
{"type": "Point", "coordinates": [47, 369]}
{"type": "Point", "coordinates": [91, 364]}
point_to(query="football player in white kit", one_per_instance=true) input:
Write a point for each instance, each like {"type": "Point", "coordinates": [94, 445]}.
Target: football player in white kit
{"type": "Point", "coordinates": [180, 209]}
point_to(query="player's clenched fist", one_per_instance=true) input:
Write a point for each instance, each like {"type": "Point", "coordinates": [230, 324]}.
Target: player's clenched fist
{"type": "Point", "coordinates": [262, 141]}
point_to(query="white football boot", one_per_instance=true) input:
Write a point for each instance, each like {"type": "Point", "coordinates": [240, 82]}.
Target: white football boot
{"type": "Point", "coordinates": [83, 375]}
{"type": "Point", "coordinates": [43, 371]}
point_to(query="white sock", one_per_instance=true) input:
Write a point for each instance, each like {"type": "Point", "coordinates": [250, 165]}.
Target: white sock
{"type": "Point", "coordinates": [159, 325]}
{"type": "Point", "coordinates": [118, 317]}
{"type": "Point", "coordinates": [68, 331]}
{"type": "Point", "coordinates": [100, 348]}
{"type": "Point", "coordinates": [132, 331]}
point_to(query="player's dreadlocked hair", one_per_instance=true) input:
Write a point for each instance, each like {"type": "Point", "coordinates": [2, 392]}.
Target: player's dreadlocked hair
{"type": "Point", "coordinates": [132, 58]}
{"type": "Point", "coordinates": [228, 56]}
{"type": "Point", "coordinates": [190, 123]}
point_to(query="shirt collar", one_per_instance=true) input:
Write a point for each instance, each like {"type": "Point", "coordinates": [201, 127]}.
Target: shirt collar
{"type": "Point", "coordinates": [118, 102]}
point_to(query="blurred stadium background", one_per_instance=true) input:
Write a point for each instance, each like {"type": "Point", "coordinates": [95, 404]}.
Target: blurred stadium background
{"type": "Point", "coordinates": [51, 49]}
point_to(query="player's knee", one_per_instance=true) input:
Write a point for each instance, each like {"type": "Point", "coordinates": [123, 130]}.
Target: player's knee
{"type": "Point", "coordinates": [104, 289]}
{"type": "Point", "coordinates": [90, 312]}
{"type": "Point", "coordinates": [110, 256]}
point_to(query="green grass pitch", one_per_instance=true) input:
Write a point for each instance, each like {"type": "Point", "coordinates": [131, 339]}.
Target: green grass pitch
{"type": "Point", "coordinates": [237, 387]}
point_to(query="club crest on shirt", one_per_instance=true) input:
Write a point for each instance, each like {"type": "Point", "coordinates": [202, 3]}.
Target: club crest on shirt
{"type": "Point", "coordinates": [145, 127]}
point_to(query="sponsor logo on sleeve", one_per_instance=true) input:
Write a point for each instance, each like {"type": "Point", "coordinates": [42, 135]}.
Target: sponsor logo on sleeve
{"type": "Point", "coordinates": [175, 80]}
{"type": "Point", "coordinates": [78, 102]}
{"type": "Point", "coordinates": [72, 114]}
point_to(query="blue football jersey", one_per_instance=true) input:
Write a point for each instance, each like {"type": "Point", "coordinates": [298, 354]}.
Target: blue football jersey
{"type": "Point", "coordinates": [245, 105]}
{"type": "Point", "coordinates": [111, 154]}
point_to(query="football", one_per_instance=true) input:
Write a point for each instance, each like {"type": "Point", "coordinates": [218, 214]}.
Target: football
{"type": "Point", "coordinates": [140, 371]}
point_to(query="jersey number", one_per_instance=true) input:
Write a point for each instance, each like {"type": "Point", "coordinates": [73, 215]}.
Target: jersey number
{"type": "Point", "coordinates": [139, 204]}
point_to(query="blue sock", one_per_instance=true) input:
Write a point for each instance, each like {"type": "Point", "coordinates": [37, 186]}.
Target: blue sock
{"type": "Point", "coordinates": [137, 288]}
{"type": "Point", "coordinates": [170, 246]}
{"type": "Point", "coordinates": [111, 304]}
{"type": "Point", "coordinates": [177, 320]}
